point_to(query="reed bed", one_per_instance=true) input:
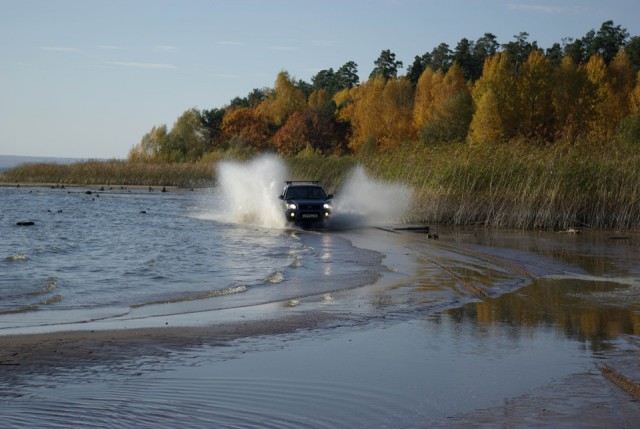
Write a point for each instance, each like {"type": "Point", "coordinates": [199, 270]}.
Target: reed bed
{"type": "Point", "coordinates": [114, 172]}
{"type": "Point", "coordinates": [519, 186]}
{"type": "Point", "coordinates": [331, 171]}
{"type": "Point", "coordinates": [511, 186]}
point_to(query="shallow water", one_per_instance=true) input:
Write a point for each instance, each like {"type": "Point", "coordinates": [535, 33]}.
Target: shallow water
{"type": "Point", "coordinates": [405, 375]}
{"type": "Point", "coordinates": [108, 254]}
{"type": "Point", "coordinates": [462, 326]}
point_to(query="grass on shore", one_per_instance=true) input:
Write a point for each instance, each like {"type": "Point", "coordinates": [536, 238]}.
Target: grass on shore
{"type": "Point", "coordinates": [523, 187]}
{"type": "Point", "coordinates": [512, 186]}
{"type": "Point", "coordinates": [114, 172]}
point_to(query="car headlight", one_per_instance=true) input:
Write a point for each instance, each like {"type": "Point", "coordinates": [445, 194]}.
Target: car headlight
{"type": "Point", "coordinates": [291, 206]}
{"type": "Point", "coordinates": [327, 206]}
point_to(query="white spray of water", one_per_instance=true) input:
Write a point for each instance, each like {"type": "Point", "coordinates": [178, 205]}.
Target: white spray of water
{"type": "Point", "coordinates": [364, 201]}
{"type": "Point", "coordinates": [250, 194]}
{"type": "Point", "coordinates": [250, 191]}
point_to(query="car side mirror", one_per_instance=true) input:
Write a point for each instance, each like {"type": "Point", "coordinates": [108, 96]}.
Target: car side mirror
{"type": "Point", "coordinates": [281, 197]}
{"type": "Point", "coordinates": [330, 196]}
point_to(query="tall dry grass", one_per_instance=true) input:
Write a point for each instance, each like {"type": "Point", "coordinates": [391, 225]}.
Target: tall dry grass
{"type": "Point", "coordinates": [114, 172]}
{"type": "Point", "coordinates": [331, 171]}
{"type": "Point", "coordinates": [519, 186]}
{"type": "Point", "coordinates": [513, 186]}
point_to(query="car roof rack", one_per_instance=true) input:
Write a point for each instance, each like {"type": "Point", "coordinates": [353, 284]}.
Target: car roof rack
{"type": "Point", "coordinates": [314, 182]}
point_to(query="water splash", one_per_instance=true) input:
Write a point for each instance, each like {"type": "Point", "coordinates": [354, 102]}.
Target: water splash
{"type": "Point", "coordinates": [49, 286]}
{"type": "Point", "coordinates": [297, 262]}
{"type": "Point", "coordinates": [250, 191]}
{"type": "Point", "coordinates": [276, 277]}
{"type": "Point", "coordinates": [364, 201]}
{"type": "Point", "coordinates": [53, 300]}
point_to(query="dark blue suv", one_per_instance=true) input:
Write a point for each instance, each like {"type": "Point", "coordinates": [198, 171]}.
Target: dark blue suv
{"type": "Point", "coordinates": [305, 202]}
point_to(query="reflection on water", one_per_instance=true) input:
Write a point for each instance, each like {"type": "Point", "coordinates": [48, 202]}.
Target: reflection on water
{"type": "Point", "coordinates": [585, 287]}
{"type": "Point", "coordinates": [589, 311]}
{"type": "Point", "coordinates": [592, 252]}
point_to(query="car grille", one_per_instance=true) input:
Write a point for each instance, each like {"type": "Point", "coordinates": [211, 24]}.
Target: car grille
{"type": "Point", "coordinates": [310, 207]}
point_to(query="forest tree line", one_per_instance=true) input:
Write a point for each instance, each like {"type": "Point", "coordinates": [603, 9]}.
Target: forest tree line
{"type": "Point", "coordinates": [579, 91]}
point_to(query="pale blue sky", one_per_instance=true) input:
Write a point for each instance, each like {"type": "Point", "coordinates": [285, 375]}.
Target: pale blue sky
{"type": "Point", "coordinates": [88, 78]}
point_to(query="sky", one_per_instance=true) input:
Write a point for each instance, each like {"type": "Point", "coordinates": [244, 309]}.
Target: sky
{"type": "Point", "coordinates": [88, 78]}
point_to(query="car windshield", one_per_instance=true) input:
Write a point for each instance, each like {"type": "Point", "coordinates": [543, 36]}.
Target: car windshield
{"type": "Point", "coordinates": [305, 192]}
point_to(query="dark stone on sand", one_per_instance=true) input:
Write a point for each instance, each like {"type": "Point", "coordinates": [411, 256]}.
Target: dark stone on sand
{"type": "Point", "coordinates": [88, 192]}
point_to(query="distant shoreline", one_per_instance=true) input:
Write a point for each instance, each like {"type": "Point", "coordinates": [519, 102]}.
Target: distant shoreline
{"type": "Point", "coordinates": [10, 161]}
{"type": "Point", "coordinates": [98, 188]}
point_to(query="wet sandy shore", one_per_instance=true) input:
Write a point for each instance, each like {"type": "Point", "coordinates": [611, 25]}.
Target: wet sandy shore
{"type": "Point", "coordinates": [585, 396]}
{"type": "Point", "coordinates": [70, 349]}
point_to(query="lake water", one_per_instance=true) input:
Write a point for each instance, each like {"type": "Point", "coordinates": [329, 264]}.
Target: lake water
{"type": "Point", "coordinates": [115, 253]}
{"type": "Point", "coordinates": [473, 324]}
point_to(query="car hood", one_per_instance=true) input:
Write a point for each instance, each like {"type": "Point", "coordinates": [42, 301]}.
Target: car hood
{"type": "Point", "coordinates": [308, 201]}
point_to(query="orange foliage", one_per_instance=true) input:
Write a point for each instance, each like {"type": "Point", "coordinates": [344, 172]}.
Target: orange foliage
{"type": "Point", "coordinates": [309, 127]}
{"type": "Point", "coordinates": [246, 124]}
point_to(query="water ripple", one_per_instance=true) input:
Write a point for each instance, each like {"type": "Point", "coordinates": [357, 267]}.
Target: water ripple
{"type": "Point", "coordinates": [208, 401]}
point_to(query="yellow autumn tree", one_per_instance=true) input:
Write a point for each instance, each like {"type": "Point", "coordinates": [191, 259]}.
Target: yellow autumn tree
{"type": "Point", "coordinates": [361, 107]}
{"type": "Point", "coordinates": [596, 71]}
{"type": "Point", "coordinates": [379, 111]}
{"type": "Point", "coordinates": [448, 114]}
{"type": "Point", "coordinates": [535, 85]}
{"type": "Point", "coordinates": [283, 101]}
{"type": "Point", "coordinates": [345, 106]}
{"type": "Point", "coordinates": [396, 107]}
{"type": "Point", "coordinates": [367, 112]}
{"type": "Point", "coordinates": [496, 90]}
{"type": "Point", "coordinates": [319, 99]}
{"type": "Point", "coordinates": [423, 108]}
{"type": "Point", "coordinates": [613, 85]}
{"type": "Point", "coordinates": [573, 101]}
{"type": "Point", "coordinates": [486, 126]}
{"type": "Point", "coordinates": [344, 98]}
{"type": "Point", "coordinates": [621, 85]}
